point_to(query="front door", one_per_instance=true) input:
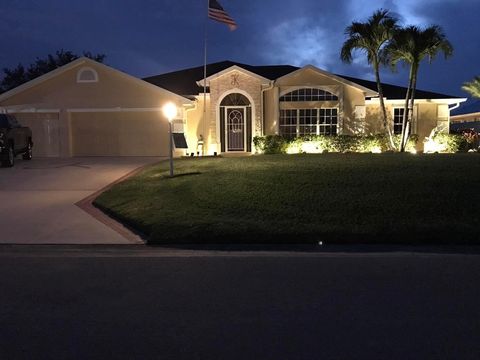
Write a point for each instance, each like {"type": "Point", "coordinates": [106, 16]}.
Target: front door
{"type": "Point", "coordinates": [235, 129]}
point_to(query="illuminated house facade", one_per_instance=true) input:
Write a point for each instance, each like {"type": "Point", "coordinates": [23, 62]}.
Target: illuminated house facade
{"type": "Point", "coordinates": [244, 101]}
{"type": "Point", "coordinates": [89, 109]}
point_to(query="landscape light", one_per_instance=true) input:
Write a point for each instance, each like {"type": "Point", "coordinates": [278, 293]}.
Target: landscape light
{"type": "Point", "coordinates": [170, 112]}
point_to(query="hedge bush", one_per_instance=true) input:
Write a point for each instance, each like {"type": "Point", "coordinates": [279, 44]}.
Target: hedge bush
{"type": "Point", "coordinates": [270, 144]}
{"type": "Point", "coordinates": [275, 144]}
{"type": "Point", "coordinates": [446, 143]}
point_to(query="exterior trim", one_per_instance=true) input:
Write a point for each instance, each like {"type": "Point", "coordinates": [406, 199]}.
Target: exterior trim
{"type": "Point", "coordinates": [464, 116]}
{"type": "Point", "coordinates": [245, 109]}
{"type": "Point", "coordinates": [84, 60]}
{"type": "Point", "coordinates": [217, 112]}
{"type": "Point", "coordinates": [402, 101]}
{"type": "Point", "coordinates": [230, 69]}
{"type": "Point", "coordinates": [119, 109]}
{"type": "Point", "coordinates": [334, 89]}
{"type": "Point", "coordinates": [31, 111]}
{"type": "Point", "coordinates": [42, 79]}
{"type": "Point", "coordinates": [368, 92]}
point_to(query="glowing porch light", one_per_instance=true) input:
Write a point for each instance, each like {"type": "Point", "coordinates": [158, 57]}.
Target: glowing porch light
{"type": "Point", "coordinates": [170, 111]}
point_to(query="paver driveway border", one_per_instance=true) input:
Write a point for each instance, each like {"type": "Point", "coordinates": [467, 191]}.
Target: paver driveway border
{"type": "Point", "coordinates": [127, 232]}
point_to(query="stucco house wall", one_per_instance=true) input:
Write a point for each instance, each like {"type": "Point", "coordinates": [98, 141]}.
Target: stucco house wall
{"type": "Point", "coordinates": [118, 115]}
{"type": "Point", "coordinates": [121, 115]}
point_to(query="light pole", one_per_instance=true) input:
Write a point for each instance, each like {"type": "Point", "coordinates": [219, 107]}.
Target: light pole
{"type": "Point", "coordinates": [170, 112]}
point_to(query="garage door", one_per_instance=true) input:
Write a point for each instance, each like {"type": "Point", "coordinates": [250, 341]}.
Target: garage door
{"type": "Point", "coordinates": [45, 132]}
{"type": "Point", "coordinates": [119, 134]}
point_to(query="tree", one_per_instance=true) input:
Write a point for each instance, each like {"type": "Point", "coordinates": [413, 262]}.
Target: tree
{"type": "Point", "coordinates": [412, 45]}
{"type": "Point", "coordinates": [19, 75]}
{"type": "Point", "coordinates": [371, 37]}
{"type": "Point", "coordinates": [473, 87]}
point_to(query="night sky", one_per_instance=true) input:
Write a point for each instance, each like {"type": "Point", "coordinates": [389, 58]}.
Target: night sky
{"type": "Point", "coordinates": [149, 37]}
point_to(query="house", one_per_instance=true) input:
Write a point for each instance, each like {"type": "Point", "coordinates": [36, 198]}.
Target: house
{"type": "Point", "coordinates": [89, 109]}
{"type": "Point", "coordinates": [466, 117]}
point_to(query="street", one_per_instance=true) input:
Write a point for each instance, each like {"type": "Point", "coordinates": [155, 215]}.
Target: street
{"type": "Point", "coordinates": [152, 303]}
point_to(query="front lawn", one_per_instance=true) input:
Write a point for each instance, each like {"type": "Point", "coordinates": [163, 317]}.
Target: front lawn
{"type": "Point", "coordinates": [379, 198]}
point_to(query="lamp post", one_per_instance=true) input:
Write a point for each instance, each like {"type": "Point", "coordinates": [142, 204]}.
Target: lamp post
{"type": "Point", "coordinates": [170, 112]}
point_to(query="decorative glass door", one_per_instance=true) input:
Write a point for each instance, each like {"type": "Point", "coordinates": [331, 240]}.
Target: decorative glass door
{"type": "Point", "coordinates": [235, 129]}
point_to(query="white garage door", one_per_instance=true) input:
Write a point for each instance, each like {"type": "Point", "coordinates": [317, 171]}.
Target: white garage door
{"type": "Point", "coordinates": [119, 134]}
{"type": "Point", "coordinates": [45, 133]}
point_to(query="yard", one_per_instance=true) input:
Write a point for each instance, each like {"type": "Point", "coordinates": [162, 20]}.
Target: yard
{"type": "Point", "coordinates": [334, 198]}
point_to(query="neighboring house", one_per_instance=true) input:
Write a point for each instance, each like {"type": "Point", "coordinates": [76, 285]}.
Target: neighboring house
{"type": "Point", "coordinates": [466, 117]}
{"type": "Point", "coordinates": [89, 109]}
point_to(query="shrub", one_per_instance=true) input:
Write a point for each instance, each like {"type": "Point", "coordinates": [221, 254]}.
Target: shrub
{"type": "Point", "coordinates": [439, 142]}
{"type": "Point", "coordinates": [313, 144]}
{"type": "Point", "coordinates": [270, 144]}
{"type": "Point", "coordinates": [372, 143]}
{"type": "Point", "coordinates": [411, 143]}
{"type": "Point", "coordinates": [316, 144]}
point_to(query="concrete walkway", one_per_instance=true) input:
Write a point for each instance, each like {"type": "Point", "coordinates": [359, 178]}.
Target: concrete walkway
{"type": "Point", "coordinates": [37, 200]}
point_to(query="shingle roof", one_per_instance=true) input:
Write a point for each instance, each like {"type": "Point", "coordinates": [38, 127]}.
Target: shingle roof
{"type": "Point", "coordinates": [184, 82]}
{"type": "Point", "coordinates": [467, 108]}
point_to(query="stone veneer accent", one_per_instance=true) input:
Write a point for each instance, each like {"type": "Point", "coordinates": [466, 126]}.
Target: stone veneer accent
{"type": "Point", "coordinates": [230, 81]}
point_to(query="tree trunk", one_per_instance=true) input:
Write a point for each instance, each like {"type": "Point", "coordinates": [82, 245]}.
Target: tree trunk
{"type": "Point", "coordinates": [411, 103]}
{"type": "Point", "coordinates": [405, 110]}
{"type": "Point", "coordinates": [382, 103]}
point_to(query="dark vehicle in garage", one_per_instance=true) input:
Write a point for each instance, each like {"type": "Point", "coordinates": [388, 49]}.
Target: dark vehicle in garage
{"type": "Point", "coordinates": [14, 140]}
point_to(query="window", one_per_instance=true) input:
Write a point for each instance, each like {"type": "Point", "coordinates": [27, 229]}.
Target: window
{"type": "Point", "coordinates": [309, 94]}
{"type": "Point", "coordinates": [302, 122]}
{"type": "Point", "coordinates": [87, 75]}
{"type": "Point", "coordinates": [398, 120]}
{"type": "Point", "coordinates": [328, 122]}
{"type": "Point", "coordinates": [288, 123]}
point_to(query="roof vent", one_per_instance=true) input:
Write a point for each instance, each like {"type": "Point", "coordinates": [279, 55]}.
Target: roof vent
{"type": "Point", "coordinates": [87, 75]}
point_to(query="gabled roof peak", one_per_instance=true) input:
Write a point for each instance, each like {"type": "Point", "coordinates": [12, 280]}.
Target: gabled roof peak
{"type": "Point", "coordinates": [184, 82]}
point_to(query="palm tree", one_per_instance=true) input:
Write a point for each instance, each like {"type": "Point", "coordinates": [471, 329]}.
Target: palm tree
{"type": "Point", "coordinates": [371, 37]}
{"type": "Point", "coordinates": [412, 45]}
{"type": "Point", "coordinates": [473, 87]}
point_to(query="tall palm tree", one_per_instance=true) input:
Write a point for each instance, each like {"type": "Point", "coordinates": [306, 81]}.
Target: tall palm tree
{"type": "Point", "coordinates": [473, 87]}
{"type": "Point", "coordinates": [412, 45]}
{"type": "Point", "coordinates": [371, 37]}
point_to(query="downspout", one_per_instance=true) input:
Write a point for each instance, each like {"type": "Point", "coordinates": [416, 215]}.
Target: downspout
{"type": "Point", "coordinates": [185, 115]}
{"type": "Point", "coordinates": [262, 103]}
{"type": "Point", "coordinates": [456, 106]}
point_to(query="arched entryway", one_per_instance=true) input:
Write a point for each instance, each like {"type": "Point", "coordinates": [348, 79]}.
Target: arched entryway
{"type": "Point", "coordinates": [236, 123]}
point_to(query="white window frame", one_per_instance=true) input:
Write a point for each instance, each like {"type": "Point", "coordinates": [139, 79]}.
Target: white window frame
{"type": "Point", "coordinates": [318, 124]}
{"type": "Point", "coordinates": [413, 124]}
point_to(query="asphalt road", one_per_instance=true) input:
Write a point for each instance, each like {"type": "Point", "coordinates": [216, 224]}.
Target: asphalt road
{"type": "Point", "coordinates": [136, 303]}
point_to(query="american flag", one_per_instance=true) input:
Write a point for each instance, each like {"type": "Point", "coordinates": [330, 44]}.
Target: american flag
{"type": "Point", "coordinates": [216, 12]}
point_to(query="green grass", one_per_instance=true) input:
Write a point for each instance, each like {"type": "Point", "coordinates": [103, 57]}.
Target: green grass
{"type": "Point", "coordinates": [347, 198]}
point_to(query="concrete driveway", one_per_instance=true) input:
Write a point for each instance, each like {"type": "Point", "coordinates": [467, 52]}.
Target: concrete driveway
{"type": "Point", "coordinates": [37, 199]}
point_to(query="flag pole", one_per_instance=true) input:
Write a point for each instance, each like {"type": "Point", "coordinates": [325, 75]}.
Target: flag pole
{"type": "Point", "coordinates": [205, 78]}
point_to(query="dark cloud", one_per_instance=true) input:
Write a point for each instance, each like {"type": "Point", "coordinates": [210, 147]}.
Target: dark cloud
{"type": "Point", "coordinates": [153, 36]}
